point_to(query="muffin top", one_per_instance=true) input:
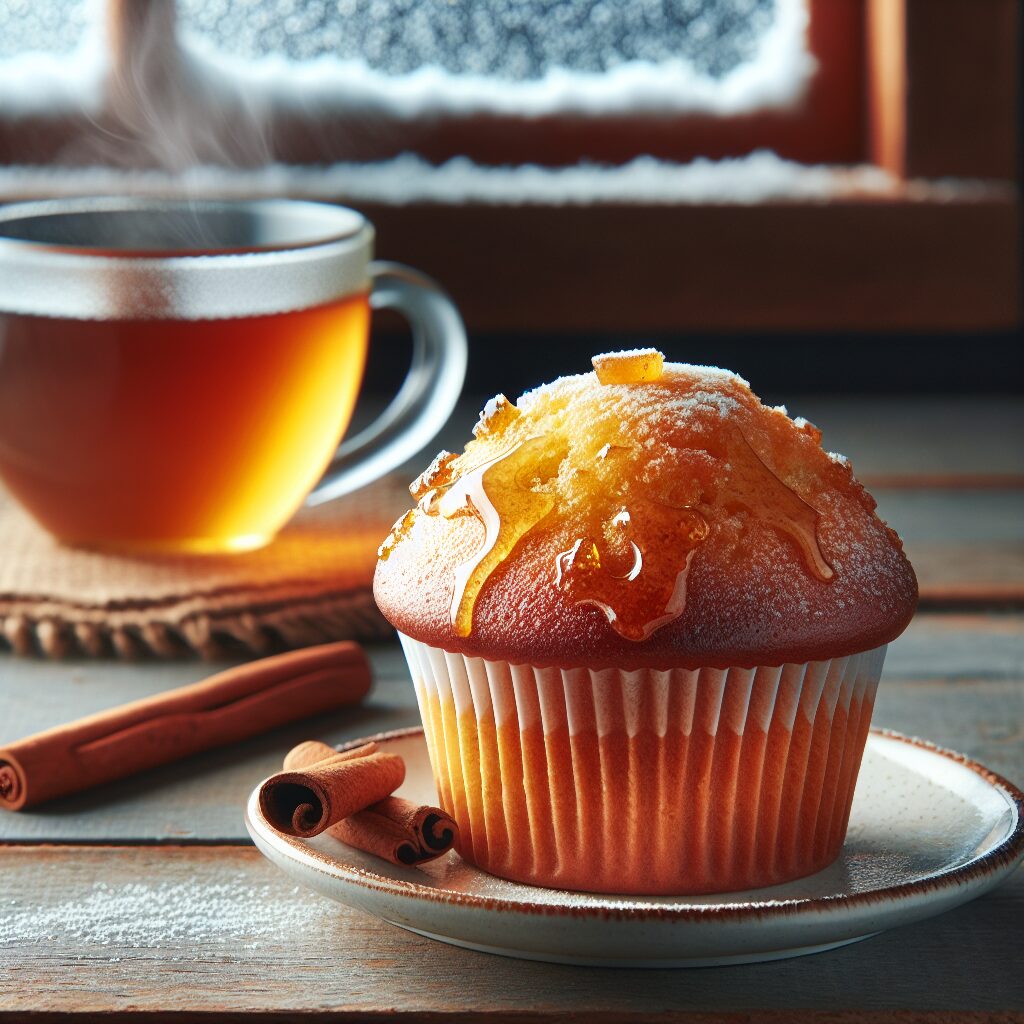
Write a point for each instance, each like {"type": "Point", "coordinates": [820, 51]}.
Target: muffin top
{"type": "Point", "coordinates": [645, 515]}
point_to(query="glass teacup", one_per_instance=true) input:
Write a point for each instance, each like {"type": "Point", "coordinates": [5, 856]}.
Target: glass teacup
{"type": "Point", "coordinates": [177, 375]}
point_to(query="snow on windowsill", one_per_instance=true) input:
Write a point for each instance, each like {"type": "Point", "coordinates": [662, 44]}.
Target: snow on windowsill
{"type": "Point", "coordinates": [758, 178]}
{"type": "Point", "coordinates": [776, 77]}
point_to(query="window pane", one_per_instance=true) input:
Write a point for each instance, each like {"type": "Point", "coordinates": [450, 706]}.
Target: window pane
{"type": "Point", "coordinates": [33, 26]}
{"type": "Point", "coordinates": [516, 40]}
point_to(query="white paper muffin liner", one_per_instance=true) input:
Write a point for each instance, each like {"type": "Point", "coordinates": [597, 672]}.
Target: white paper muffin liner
{"type": "Point", "coordinates": [645, 781]}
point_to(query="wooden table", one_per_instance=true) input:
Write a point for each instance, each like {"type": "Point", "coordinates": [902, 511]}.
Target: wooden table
{"type": "Point", "coordinates": [147, 900]}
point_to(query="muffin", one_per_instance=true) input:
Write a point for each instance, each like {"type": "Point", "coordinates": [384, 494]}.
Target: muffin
{"type": "Point", "coordinates": [645, 616]}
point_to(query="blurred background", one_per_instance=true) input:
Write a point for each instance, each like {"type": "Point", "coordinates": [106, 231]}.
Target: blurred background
{"type": "Point", "coordinates": [820, 194]}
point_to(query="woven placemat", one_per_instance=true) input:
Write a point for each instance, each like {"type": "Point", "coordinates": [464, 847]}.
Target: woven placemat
{"type": "Point", "coordinates": [311, 585]}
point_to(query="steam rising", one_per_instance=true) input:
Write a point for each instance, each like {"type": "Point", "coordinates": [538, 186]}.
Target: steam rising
{"type": "Point", "coordinates": [165, 109]}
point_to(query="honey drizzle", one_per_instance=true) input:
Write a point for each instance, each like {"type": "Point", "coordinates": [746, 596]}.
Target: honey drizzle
{"type": "Point", "coordinates": [628, 598]}
{"type": "Point", "coordinates": [492, 492]}
{"type": "Point", "coordinates": [640, 560]}
{"type": "Point", "coordinates": [756, 486]}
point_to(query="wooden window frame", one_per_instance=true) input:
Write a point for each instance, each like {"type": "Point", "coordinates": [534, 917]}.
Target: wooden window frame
{"type": "Point", "coordinates": [939, 101]}
{"type": "Point", "coordinates": [931, 94]}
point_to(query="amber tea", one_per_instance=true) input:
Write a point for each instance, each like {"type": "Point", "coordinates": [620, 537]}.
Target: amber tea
{"type": "Point", "coordinates": [178, 376]}
{"type": "Point", "coordinates": [188, 434]}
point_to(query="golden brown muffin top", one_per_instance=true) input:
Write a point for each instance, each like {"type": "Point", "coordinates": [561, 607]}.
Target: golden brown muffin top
{"type": "Point", "coordinates": [648, 514]}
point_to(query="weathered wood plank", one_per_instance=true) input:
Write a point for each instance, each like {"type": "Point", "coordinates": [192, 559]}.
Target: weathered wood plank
{"type": "Point", "coordinates": [982, 719]}
{"type": "Point", "coordinates": [959, 647]}
{"type": "Point", "coordinates": [975, 576]}
{"type": "Point", "coordinates": [953, 679]}
{"type": "Point", "coordinates": [220, 930]}
{"type": "Point", "coordinates": [967, 546]}
{"type": "Point", "coordinates": [980, 519]}
{"type": "Point", "coordinates": [914, 437]}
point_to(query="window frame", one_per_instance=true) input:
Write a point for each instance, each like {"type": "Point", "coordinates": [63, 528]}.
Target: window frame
{"type": "Point", "coordinates": [936, 98]}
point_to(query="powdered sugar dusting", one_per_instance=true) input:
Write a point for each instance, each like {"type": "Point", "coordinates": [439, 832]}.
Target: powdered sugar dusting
{"type": "Point", "coordinates": [495, 416]}
{"type": "Point", "coordinates": [492, 407]}
{"type": "Point", "coordinates": [625, 355]}
{"type": "Point", "coordinates": [721, 404]}
{"type": "Point", "coordinates": [577, 384]}
{"type": "Point", "coordinates": [144, 915]}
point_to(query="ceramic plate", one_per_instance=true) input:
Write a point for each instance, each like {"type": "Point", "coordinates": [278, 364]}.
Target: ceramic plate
{"type": "Point", "coordinates": [929, 830]}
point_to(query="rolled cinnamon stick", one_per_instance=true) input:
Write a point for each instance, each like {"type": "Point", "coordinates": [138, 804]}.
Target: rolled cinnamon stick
{"type": "Point", "coordinates": [393, 828]}
{"type": "Point", "coordinates": [399, 831]}
{"type": "Point", "coordinates": [306, 801]}
{"type": "Point", "coordinates": [312, 752]}
{"type": "Point", "coordinates": [227, 707]}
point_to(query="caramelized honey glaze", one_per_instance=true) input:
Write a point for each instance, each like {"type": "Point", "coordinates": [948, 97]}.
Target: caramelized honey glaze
{"type": "Point", "coordinates": [654, 546]}
{"type": "Point", "coordinates": [756, 486]}
{"type": "Point", "coordinates": [508, 510]}
{"type": "Point", "coordinates": [610, 490]}
{"type": "Point", "coordinates": [632, 561]}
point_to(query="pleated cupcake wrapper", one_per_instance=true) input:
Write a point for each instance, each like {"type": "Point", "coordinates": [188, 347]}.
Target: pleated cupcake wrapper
{"type": "Point", "coordinates": [646, 781]}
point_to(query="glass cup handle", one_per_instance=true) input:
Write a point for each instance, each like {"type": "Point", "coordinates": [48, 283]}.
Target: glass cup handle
{"type": "Point", "coordinates": [427, 395]}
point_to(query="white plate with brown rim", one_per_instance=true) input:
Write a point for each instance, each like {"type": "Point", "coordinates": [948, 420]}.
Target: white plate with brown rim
{"type": "Point", "coordinates": [929, 830]}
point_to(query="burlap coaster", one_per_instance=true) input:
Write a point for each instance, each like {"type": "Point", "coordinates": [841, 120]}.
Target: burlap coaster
{"type": "Point", "coordinates": [311, 585]}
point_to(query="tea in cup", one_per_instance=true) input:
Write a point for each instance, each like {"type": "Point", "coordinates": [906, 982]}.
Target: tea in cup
{"type": "Point", "coordinates": [177, 375]}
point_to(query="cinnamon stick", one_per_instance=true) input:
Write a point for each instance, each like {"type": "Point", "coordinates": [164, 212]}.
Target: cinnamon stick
{"type": "Point", "coordinates": [399, 831]}
{"type": "Point", "coordinates": [393, 828]}
{"type": "Point", "coordinates": [305, 801]}
{"type": "Point", "coordinates": [227, 707]}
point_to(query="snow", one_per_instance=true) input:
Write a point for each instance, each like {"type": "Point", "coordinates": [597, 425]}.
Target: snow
{"type": "Point", "coordinates": [55, 27]}
{"type": "Point", "coordinates": [759, 177]}
{"type": "Point", "coordinates": [508, 39]}
{"type": "Point", "coordinates": [730, 57]}
{"type": "Point", "coordinates": [52, 56]}
{"type": "Point", "coordinates": [775, 76]}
